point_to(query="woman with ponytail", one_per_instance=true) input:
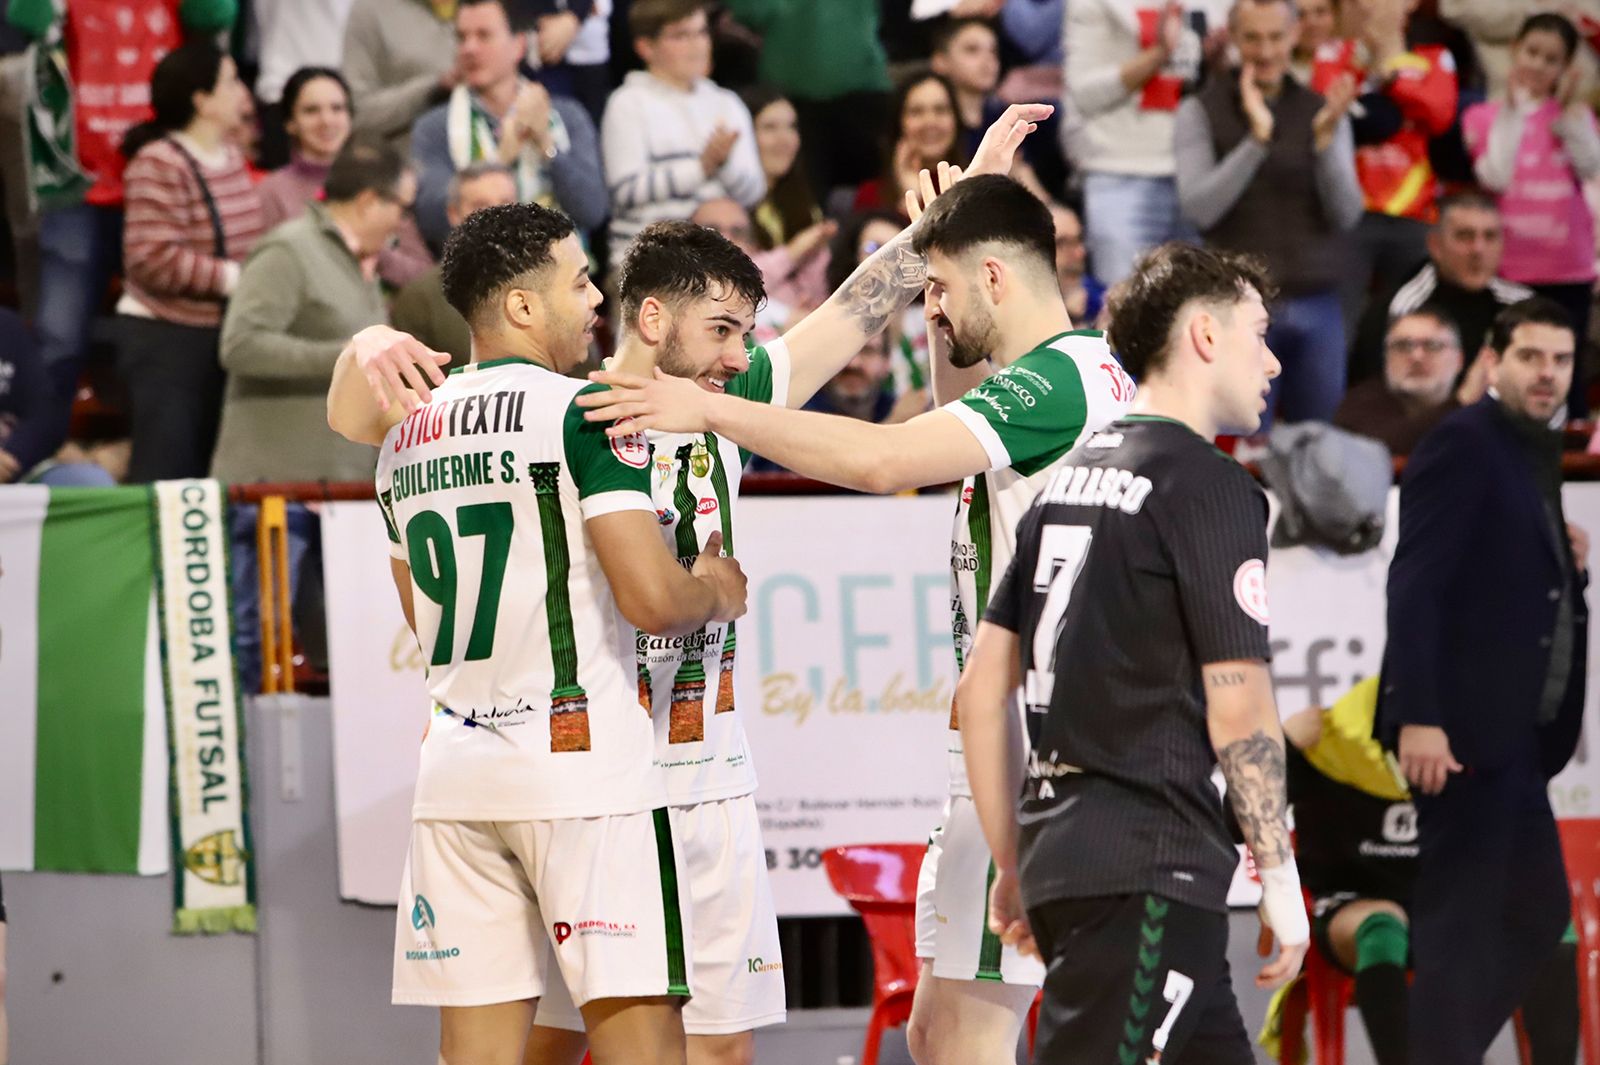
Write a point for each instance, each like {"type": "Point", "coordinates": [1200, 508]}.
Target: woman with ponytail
{"type": "Point", "coordinates": [192, 215]}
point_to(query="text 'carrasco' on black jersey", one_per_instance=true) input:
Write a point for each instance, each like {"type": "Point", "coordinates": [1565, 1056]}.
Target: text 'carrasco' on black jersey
{"type": "Point", "coordinates": [1141, 561]}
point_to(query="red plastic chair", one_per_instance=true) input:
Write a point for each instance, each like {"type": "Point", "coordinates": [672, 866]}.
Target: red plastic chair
{"type": "Point", "coordinates": [1580, 845]}
{"type": "Point", "coordinates": [879, 881]}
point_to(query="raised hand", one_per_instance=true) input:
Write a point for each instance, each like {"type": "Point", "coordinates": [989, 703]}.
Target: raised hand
{"type": "Point", "coordinates": [1340, 95]}
{"type": "Point", "coordinates": [925, 190]}
{"type": "Point", "coordinates": [1255, 105]}
{"type": "Point", "coordinates": [1005, 135]}
{"type": "Point", "coordinates": [718, 147]}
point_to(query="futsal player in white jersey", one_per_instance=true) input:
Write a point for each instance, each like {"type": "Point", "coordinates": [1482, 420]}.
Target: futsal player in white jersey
{"type": "Point", "coordinates": [525, 551]}
{"type": "Point", "coordinates": [1039, 387]}
{"type": "Point", "coordinates": [688, 296]}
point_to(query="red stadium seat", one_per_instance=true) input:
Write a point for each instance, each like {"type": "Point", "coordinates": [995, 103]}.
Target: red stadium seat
{"type": "Point", "coordinates": [879, 880]}
{"type": "Point", "coordinates": [1580, 845]}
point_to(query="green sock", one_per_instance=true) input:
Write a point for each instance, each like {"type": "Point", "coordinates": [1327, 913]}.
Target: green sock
{"type": "Point", "coordinates": [1382, 939]}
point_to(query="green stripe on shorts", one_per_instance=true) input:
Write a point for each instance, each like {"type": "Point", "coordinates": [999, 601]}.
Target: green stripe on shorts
{"type": "Point", "coordinates": [677, 976]}
{"type": "Point", "coordinates": [989, 950]}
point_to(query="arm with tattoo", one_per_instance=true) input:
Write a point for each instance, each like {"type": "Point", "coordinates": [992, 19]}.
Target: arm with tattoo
{"type": "Point", "coordinates": [829, 337]}
{"type": "Point", "coordinates": [1243, 723]}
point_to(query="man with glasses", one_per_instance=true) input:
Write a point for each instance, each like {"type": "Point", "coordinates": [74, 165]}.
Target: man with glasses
{"type": "Point", "coordinates": [1421, 361]}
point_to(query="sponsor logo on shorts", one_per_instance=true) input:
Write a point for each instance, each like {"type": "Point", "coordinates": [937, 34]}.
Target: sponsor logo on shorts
{"type": "Point", "coordinates": [966, 495]}
{"type": "Point", "coordinates": [707, 505]}
{"type": "Point", "coordinates": [758, 966]}
{"type": "Point", "coordinates": [433, 955]}
{"type": "Point", "coordinates": [609, 929]}
{"type": "Point", "coordinates": [421, 914]}
{"type": "Point", "coordinates": [666, 516]}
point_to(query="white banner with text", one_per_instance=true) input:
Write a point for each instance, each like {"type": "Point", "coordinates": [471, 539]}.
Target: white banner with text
{"type": "Point", "coordinates": [845, 678]}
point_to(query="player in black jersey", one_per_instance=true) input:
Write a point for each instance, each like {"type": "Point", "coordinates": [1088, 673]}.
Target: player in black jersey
{"type": "Point", "coordinates": [1134, 620]}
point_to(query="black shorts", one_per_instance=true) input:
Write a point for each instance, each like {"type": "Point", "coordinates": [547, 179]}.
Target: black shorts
{"type": "Point", "coordinates": [1131, 979]}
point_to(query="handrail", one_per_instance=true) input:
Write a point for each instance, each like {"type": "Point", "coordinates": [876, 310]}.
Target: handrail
{"type": "Point", "coordinates": [1575, 466]}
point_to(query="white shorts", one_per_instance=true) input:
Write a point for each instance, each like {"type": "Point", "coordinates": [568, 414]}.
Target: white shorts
{"type": "Point", "coordinates": [737, 982]}
{"type": "Point", "coordinates": [953, 906]}
{"type": "Point", "coordinates": [490, 910]}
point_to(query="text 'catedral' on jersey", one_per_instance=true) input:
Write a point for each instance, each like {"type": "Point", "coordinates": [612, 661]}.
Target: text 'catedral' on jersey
{"type": "Point", "coordinates": [1142, 560]}
{"type": "Point", "coordinates": [1027, 416]}
{"type": "Point", "coordinates": [690, 683]}
{"type": "Point", "coordinates": [486, 489]}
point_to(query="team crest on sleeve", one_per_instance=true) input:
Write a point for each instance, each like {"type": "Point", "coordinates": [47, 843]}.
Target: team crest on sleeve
{"type": "Point", "coordinates": [631, 450]}
{"type": "Point", "coordinates": [1250, 588]}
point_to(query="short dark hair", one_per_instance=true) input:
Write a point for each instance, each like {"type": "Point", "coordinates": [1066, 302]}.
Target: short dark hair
{"type": "Point", "coordinates": [470, 173]}
{"type": "Point", "coordinates": [1469, 199]}
{"type": "Point", "coordinates": [950, 29]}
{"type": "Point", "coordinates": [493, 248]}
{"type": "Point", "coordinates": [989, 208]}
{"type": "Point", "coordinates": [305, 76]}
{"type": "Point", "coordinates": [1434, 311]}
{"type": "Point", "coordinates": [679, 261]}
{"type": "Point", "coordinates": [1535, 310]}
{"type": "Point", "coordinates": [1551, 22]}
{"type": "Point", "coordinates": [1165, 281]}
{"type": "Point", "coordinates": [520, 17]}
{"type": "Point", "coordinates": [647, 18]}
{"type": "Point", "coordinates": [363, 165]}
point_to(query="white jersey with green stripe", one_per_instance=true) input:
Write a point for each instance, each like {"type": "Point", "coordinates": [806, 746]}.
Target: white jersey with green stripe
{"type": "Point", "coordinates": [690, 683]}
{"type": "Point", "coordinates": [486, 489]}
{"type": "Point", "coordinates": [1027, 416]}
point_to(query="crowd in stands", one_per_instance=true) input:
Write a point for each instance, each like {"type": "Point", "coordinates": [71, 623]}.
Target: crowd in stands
{"type": "Point", "coordinates": [199, 218]}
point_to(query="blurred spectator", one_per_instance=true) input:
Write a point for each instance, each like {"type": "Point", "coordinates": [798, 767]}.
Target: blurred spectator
{"type": "Point", "coordinates": [245, 135]}
{"type": "Point", "coordinates": [1492, 27]}
{"type": "Point", "coordinates": [111, 55]}
{"type": "Point", "coordinates": [1083, 294]}
{"type": "Point", "coordinates": [826, 56]}
{"type": "Point", "coordinates": [32, 418]}
{"type": "Point", "coordinates": [1535, 148]}
{"type": "Point", "coordinates": [18, 64]}
{"type": "Point", "coordinates": [1408, 94]}
{"type": "Point", "coordinates": [573, 42]}
{"type": "Point", "coordinates": [961, 9]}
{"type": "Point", "coordinates": [927, 131]}
{"type": "Point", "coordinates": [966, 52]}
{"type": "Point", "coordinates": [1421, 361]}
{"type": "Point", "coordinates": [306, 288]}
{"type": "Point", "coordinates": [1464, 249]}
{"type": "Point", "coordinates": [316, 102]}
{"type": "Point", "coordinates": [1033, 29]}
{"type": "Point", "coordinates": [1319, 29]}
{"type": "Point", "coordinates": [671, 137]}
{"type": "Point", "coordinates": [400, 59]}
{"type": "Point", "coordinates": [420, 308]}
{"type": "Point", "coordinates": [790, 205]}
{"type": "Point", "coordinates": [192, 216]}
{"type": "Point", "coordinates": [1128, 64]}
{"type": "Point", "coordinates": [1266, 166]}
{"type": "Point", "coordinates": [795, 274]}
{"type": "Point", "coordinates": [497, 115]}
{"type": "Point", "coordinates": [862, 234]}
{"type": "Point", "coordinates": [294, 34]}
{"type": "Point", "coordinates": [1030, 57]}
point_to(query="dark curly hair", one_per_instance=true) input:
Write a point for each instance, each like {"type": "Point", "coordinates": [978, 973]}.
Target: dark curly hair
{"type": "Point", "coordinates": [677, 262]}
{"type": "Point", "coordinates": [1145, 306]}
{"type": "Point", "coordinates": [495, 247]}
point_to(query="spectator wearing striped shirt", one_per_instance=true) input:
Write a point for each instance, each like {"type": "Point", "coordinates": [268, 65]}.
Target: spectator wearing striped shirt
{"type": "Point", "coordinates": [192, 215]}
{"type": "Point", "coordinates": [671, 138]}
{"type": "Point", "coordinates": [1463, 267]}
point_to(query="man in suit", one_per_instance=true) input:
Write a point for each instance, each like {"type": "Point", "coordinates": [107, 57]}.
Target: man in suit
{"type": "Point", "coordinates": [1483, 686]}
